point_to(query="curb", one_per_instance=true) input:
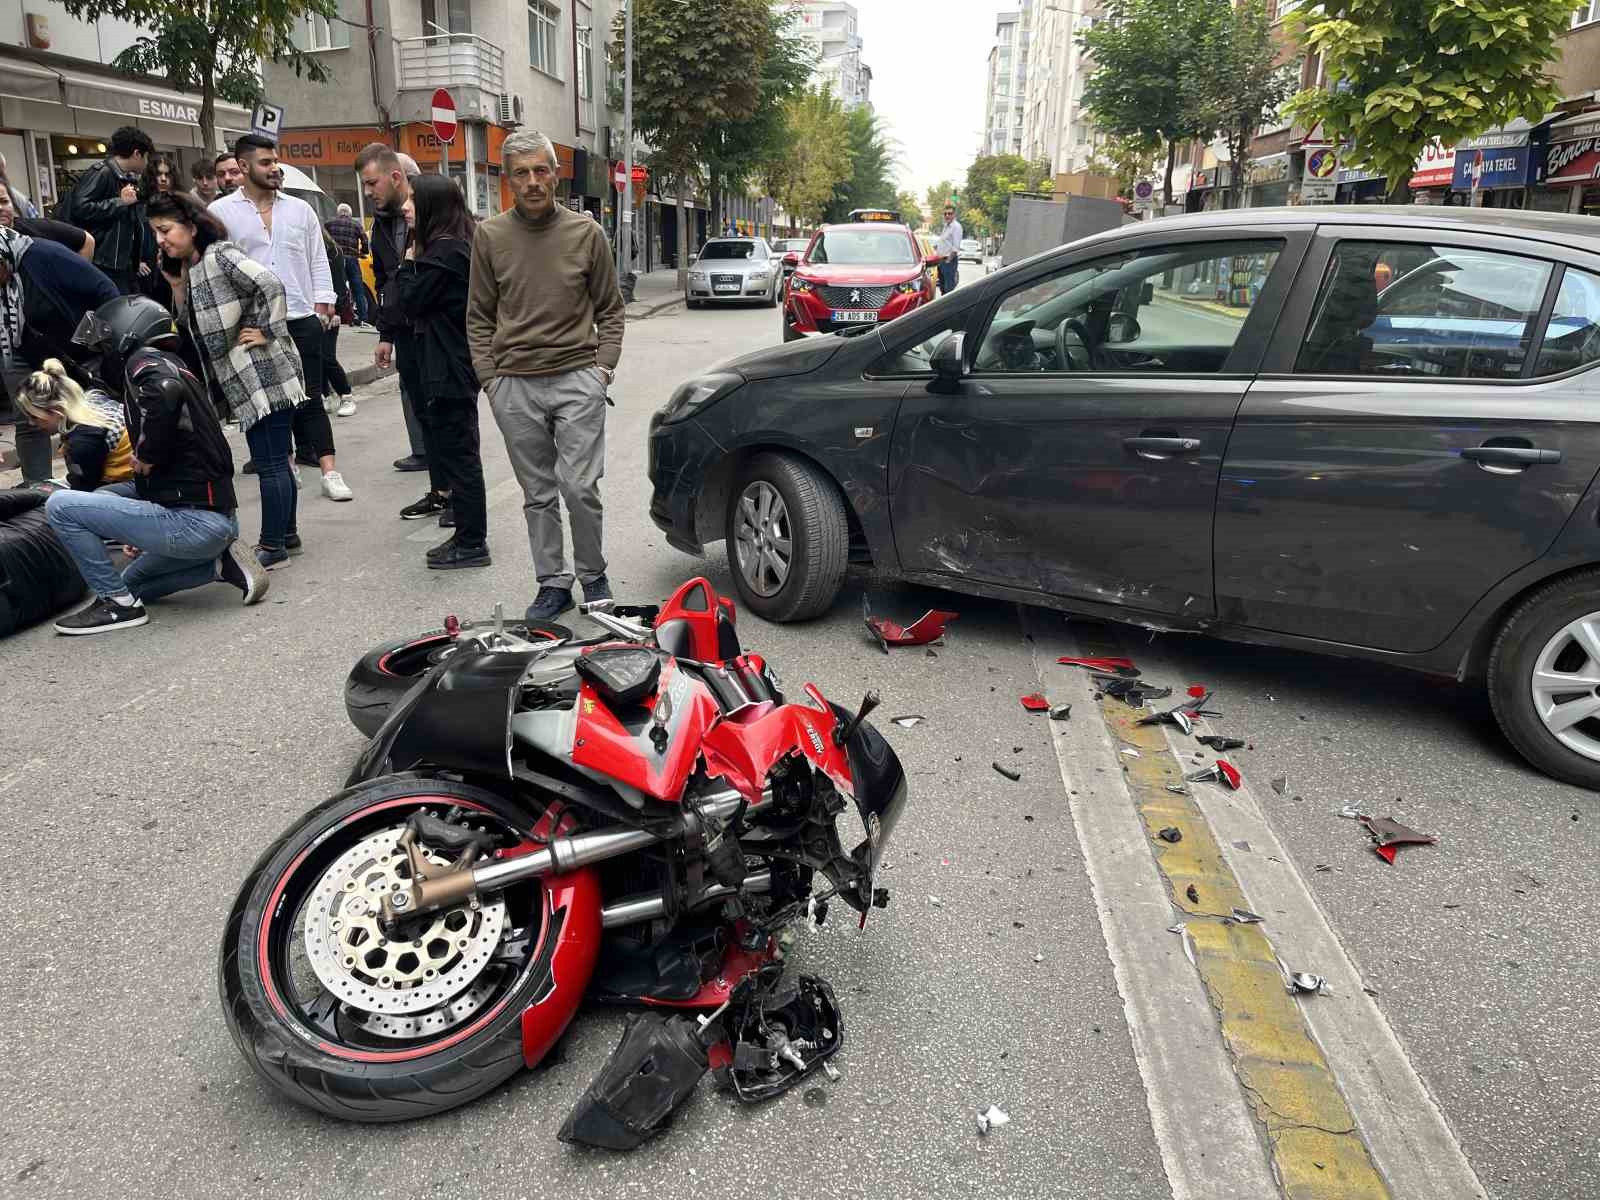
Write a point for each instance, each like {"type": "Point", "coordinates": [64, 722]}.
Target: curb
{"type": "Point", "coordinates": [361, 376]}
{"type": "Point", "coordinates": [638, 312]}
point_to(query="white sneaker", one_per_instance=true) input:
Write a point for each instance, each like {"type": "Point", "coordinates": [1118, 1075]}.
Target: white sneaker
{"type": "Point", "coordinates": [294, 474]}
{"type": "Point", "coordinates": [330, 404]}
{"type": "Point", "coordinates": [335, 488]}
{"type": "Point", "coordinates": [347, 407]}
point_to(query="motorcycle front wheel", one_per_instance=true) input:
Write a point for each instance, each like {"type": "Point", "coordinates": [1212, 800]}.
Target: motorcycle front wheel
{"type": "Point", "coordinates": [379, 1024]}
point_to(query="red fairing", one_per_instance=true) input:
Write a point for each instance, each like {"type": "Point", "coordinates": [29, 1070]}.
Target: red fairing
{"type": "Point", "coordinates": [698, 606]}
{"type": "Point", "coordinates": [572, 904]}
{"type": "Point", "coordinates": [743, 753]}
{"type": "Point", "coordinates": [601, 742]}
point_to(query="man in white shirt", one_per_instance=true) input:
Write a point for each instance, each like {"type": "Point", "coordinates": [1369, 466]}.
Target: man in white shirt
{"type": "Point", "coordinates": [949, 250]}
{"type": "Point", "coordinates": [282, 233]}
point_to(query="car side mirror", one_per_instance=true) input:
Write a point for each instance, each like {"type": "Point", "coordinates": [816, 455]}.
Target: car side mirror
{"type": "Point", "coordinates": [1122, 328]}
{"type": "Point", "coordinates": [791, 259]}
{"type": "Point", "coordinates": [949, 365]}
{"type": "Point", "coordinates": [932, 260]}
{"type": "Point", "coordinates": [693, 258]}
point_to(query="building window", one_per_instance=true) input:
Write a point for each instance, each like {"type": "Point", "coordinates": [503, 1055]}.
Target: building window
{"type": "Point", "coordinates": [1587, 13]}
{"type": "Point", "coordinates": [586, 68]}
{"type": "Point", "coordinates": [457, 16]}
{"type": "Point", "coordinates": [544, 46]}
{"type": "Point", "coordinates": [315, 32]}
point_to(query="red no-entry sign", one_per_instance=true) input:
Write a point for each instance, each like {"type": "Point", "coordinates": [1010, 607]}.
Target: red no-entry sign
{"type": "Point", "coordinates": [444, 116]}
{"type": "Point", "coordinates": [619, 177]}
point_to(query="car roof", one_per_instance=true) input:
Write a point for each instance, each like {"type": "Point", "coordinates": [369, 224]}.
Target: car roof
{"type": "Point", "coordinates": [1579, 232]}
{"type": "Point", "coordinates": [864, 226]}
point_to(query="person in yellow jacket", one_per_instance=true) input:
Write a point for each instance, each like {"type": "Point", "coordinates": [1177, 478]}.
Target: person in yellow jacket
{"type": "Point", "coordinates": [93, 427]}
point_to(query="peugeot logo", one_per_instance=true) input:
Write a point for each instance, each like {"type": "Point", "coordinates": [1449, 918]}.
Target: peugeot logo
{"type": "Point", "coordinates": [855, 296]}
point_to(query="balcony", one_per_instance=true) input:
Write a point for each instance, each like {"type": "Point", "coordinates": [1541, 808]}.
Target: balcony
{"type": "Point", "coordinates": [456, 60]}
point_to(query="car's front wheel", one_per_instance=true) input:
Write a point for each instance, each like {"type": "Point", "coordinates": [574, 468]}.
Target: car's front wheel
{"type": "Point", "coordinates": [1544, 679]}
{"type": "Point", "coordinates": [787, 538]}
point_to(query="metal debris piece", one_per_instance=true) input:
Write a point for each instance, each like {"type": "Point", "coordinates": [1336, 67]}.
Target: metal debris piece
{"type": "Point", "coordinates": [992, 1119]}
{"type": "Point", "coordinates": [1220, 743]}
{"type": "Point", "coordinates": [1061, 712]}
{"type": "Point", "coordinates": [1184, 715]}
{"type": "Point", "coordinates": [929, 627]}
{"type": "Point", "coordinates": [830, 1070]}
{"type": "Point", "coordinates": [1349, 812]}
{"type": "Point", "coordinates": [1177, 789]}
{"type": "Point", "coordinates": [1388, 835]}
{"type": "Point", "coordinates": [1193, 893]}
{"type": "Point", "coordinates": [1131, 752]}
{"type": "Point", "coordinates": [1034, 702]}
{"type": "Point", "coordinates": [1306, 983]}
{"type": "Point", "coordinates": [1171, 834]}
{"type": "Point", "coordinates": [1280, 784]}
{"type": "Point", "coordinates": [1011, 775]}
{"type": "Point", "coordinates": [1038, 958]}
{"type": "Point", "coordinates": [1245, 917]}
{"type": "Point", "coordinates": [1179, 927]}
{"type": "Point", "coordinates": [936, 902]}
{"type": "Point", "coordinates": [908, 722]}
{"type": "Point", "coordinates": [1111, 666]}
{"type": "Point", "coordinates": [1221, 771]}
{"type": "Point", "coordinates": [1131, 692]}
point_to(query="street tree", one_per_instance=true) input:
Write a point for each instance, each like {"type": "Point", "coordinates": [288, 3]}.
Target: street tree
{"type": "Point", "coordinates": [870, 183]}
{"type": "Point", "coordinates": [910, 208]}
{"type": "Point", "coordinates": [1142, 51]}
{"type": "Point", "coordinates": [211, 47]}
{"type": "Point", "coordinates": [815, 158]}
{"type": "Point", "coordinates": [992, 179]}
{"type": "Point", "coordinates": [937, 196]}
{"type": "Point", "coordinates": [683, 89]}
{"type": "Point", "coordinates": [1126, 160]}
{"type": "Point", "coordinates": [733, 153]}
{"type": "Point", "coordinates": [1400, 73]}
{"type": "Point", "coordinates": [1237, 80]}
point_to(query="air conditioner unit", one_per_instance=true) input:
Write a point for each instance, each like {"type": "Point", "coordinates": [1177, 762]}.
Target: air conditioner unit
{"type": "Point", "coordinates": [509, 111]}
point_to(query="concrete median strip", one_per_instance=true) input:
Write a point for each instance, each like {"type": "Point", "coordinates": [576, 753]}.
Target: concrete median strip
{"type": "Point", "coordinates": [1328, 1100]}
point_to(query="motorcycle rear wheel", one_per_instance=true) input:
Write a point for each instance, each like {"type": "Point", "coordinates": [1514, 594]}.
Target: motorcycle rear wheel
{"type": "Point", "coordinates": [386, 672]}
{"type": "Point", "coordinates": [320, 1049]}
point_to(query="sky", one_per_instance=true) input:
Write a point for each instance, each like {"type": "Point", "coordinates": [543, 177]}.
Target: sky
{"type": "Point", "coordinates": [930, 69]}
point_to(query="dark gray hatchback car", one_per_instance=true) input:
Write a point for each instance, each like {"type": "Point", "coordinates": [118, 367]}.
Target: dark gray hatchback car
{"type": "Point", "coordinates": [1369, 432]}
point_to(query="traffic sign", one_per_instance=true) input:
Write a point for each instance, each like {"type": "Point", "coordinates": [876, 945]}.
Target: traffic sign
{"type": "Point", "coordinates": [640, 174]}
{"type": "Point", "coordinates": [267, 120]}
{"type": "Point", "coordinates": [444, 116]}
{"type": "Point", "coordinates": [619, 177]}
{"type": "Point", "coordinates": [1144, 193]}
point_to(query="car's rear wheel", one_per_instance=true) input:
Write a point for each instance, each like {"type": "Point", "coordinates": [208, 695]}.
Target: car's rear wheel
{"type": "Point", "coordinates": [1544, 679]}
{"type": "Point", "coordinates": [787, 538]}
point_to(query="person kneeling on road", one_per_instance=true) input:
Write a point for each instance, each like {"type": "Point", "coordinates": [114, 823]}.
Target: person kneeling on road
{"type": "Point", "coordinates": [182, 525]}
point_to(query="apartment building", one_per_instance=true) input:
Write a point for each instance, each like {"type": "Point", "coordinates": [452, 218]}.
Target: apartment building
{"type": "Point", "coordinates": [1006, 102]}
{"type": "Point", "coordinates": [830, 25]}
{"type": "Point", "coordinates": [1055, 126]}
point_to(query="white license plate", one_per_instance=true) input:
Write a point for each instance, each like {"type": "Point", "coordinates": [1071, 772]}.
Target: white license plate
{"type": "Point", "coordinates": [727, 287]}
{"type": "Point", "coordinates": [853, 315]}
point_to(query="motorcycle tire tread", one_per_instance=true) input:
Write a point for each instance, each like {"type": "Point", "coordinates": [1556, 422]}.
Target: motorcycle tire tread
{"type": "Point", "coordinates": [369, 1093]}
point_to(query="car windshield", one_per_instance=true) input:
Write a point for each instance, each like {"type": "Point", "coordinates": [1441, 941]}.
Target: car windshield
{"type": "Point", "coordinates": [862, 247]}
{"type": "Point", "coordinates": [729, 250]}
{"type": "Point", "coordinates": [797, 245]}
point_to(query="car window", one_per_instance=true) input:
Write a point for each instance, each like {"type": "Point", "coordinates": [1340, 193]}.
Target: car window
{"type": "Point", "coordinates": [1164, 309]}
{"type": "Point", "coordinates": [862, 247]}
{"type": "Point", "coordinates": [916, 357]}
{"type": "Point", "coordinates": [1572, 339]}
{"type": "Point", "coordinates": [1405, 310]}
{"type": "Point", "coordinates": [729, 250]}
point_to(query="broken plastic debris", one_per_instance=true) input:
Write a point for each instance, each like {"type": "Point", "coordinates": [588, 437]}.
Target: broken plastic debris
{"type": "Point", "coordinates": [831, 1071]}
{"type": "Point", "coordinates": [1171, 834]}
{"type": "Point", "coordinates": [1388, 835]}
{"type": "Point", "coordinates": [992, 1119]}
{"type": "Point", "coordinates": [1011, 775]}
{"type": "Point", "coordinates": [1177, 789]}
{"type": "Point", "coordinates": [1130, 691]}
{"type": "Point", "coordinates": [929, 627]}
{"type": "Point", "coordinates": [1221, 771]}
{"type": "Point", "coordinates": [1219, 743]}
{"type": "Point", "coordinates": [1061, 712]}
{"type": "Point", "coordinates": [908, 722]}
{"type": "Point", "coordinates": [1038, 958]}
{"type": "Point", "coordinates": [1034, 702]}
{"type": "Point", "coordinates": [1280, 784]}
{"type": "Point", "coordinates": [1193, 893]}
{"type": "Point", "coordinates": [1245, 917]}
{"type": "Point", "coordinates": [1305, 982]}
{"type": "Point", "coordinates": [935, 901]}
{"type": "Point", "coordinates": [1349, 812]}
{"type": "Point", "coordinates": [1111, 666]}
{"type": "Point", "coordinates": [1179, 927]}
{"type": "Point", "coordinates": [1131, 752]}
{"type": "Point", "coordinates": [1198, 691]}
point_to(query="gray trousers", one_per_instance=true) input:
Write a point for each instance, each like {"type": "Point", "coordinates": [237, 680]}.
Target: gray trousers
{"type": "Point", "coordinates": [555, 431]}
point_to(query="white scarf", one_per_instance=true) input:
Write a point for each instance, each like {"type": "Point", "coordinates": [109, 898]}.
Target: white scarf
{"type": "Point", "coordinates": [13, 246]}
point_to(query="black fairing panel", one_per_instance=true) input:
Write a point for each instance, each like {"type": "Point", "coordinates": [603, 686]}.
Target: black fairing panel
{"type": "Point", "coordinates": [457, 717]}
{"type": "Point", "coordinates": [881, 793]}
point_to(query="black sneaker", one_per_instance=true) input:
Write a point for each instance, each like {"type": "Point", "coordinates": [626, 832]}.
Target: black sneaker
{"type": "Point", "coordinates": [458, 555]}
{"type": "Point", "coordinates": [426, 507]}
{"type": "Point", "coordinates": [551, 602]}
{"type": "Point", "coordinates": [241, 568]}
{"type": "Point", "coordinates": [441, 549]}
{"type": "Point", "coordinates": [412, 462]}
{"type": "Point", "coordinates": [447, 519]}
{"type": "Point", "coordinates": [596, 590]}
{"type": "Point", "coordinates": [293, 545]}
{"type": "Point", "coordinates": [272, 557]}
{"type": "Point", "coordinates": [102, 617]}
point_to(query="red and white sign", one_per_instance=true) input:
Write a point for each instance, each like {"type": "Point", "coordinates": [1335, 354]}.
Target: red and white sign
{"type": "Point", "coordinates": [1436, 167]}
{"type": "Point", "coordinates": [640, 174]}
{"type": "Point", "coordinates": [444, 115]}
{"type": "Point", "coordinates": [619, 177]}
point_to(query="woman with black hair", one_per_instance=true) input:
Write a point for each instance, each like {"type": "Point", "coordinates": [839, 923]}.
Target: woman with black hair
{"type": "Point", "coordinates": [433, 296]}
{"type": "Point", "coordinates": [235, 311]}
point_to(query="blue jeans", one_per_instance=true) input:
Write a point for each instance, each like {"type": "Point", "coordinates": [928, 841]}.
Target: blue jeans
{"type": "Point", "coordinates": [949, 276]}
{"type": "Point", "coordinates": [358, 287]}
{"type": "Point", "coordinates": [180, 545]}
{"type": "Point", "coordinates": [269, 440]}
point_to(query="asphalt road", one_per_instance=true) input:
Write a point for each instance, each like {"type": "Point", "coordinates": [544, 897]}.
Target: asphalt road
{"type": "Point", "coordinates": [145, 771]}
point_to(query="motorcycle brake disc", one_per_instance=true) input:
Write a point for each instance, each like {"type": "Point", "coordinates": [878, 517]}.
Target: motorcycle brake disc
{"type": "Point", "coordinates": [355, 960]}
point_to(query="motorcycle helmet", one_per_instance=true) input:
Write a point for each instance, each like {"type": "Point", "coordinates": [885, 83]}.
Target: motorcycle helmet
{"type": "Point", "coordinates": [119, 327]}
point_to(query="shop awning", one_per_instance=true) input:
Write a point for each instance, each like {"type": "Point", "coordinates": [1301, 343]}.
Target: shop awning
{"type": "Point", "coordinates": [1574, 152]}
{"type": "Point", "coordinates": [143, 102]}
{"type": "Point", "coordinates": [28, 81]}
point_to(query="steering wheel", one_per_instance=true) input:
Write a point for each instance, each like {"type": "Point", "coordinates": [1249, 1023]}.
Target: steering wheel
{"type": "Point", "coordinates": [1073, 350]}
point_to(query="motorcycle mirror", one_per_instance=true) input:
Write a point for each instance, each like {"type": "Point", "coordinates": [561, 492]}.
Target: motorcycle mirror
{"type": "Point", "coordinates": [843, 733]}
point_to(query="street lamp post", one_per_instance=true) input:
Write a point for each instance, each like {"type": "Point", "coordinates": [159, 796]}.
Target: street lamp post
{"type": "Point", "coordinates": [625, 208]}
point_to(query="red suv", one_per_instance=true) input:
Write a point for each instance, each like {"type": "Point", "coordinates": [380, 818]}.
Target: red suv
{"type": "Point", "coordinates": [852, 275]}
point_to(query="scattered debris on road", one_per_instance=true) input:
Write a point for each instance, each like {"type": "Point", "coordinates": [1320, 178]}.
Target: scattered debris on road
{"type": "Point", "coordinates": [1245, 917]}
{"type": "Point", "coordinates": [1222, 771]}
{"type": "Point", "coordinates": [1220, 743]}
{"type": "Point", "coordinates": [1171, 834]}
{"type": "Point", "coordinates": [1061, 712]}
{"type": "Point", "coordinates": [1131, 752]}
{"type": "Point", "coordinates": [929, 627]}
{"type": "Point", "coordinates": [1108, 666]}
{"type": "Point", "coordinates": [1009, 774]}
{"type": "Point", "coordinates": [910, 721]}
{"type": "Point", "coordinates": [1193, 893]}
{"type": "Point", "coordinates": [1305, 983]}
{"type": "Point", "coordinates": [1388, 835]}
{"type": "Point", "coordinates": [1131, 692]}
{"type": "Point", "coordinates": [1035, 702]}
{"type": "Point", "coordinates": [994, 1118]}
{"type": "Point", "coordinates": [1177, 789]}
{"type": "Point", "coordinates": [1280, 784]}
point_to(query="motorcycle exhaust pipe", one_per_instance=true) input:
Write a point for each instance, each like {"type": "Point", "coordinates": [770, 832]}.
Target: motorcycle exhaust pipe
{"type": "Point", "coordinates": [648, 908]}
{"type": "Point", "coordinates": [563, 854]}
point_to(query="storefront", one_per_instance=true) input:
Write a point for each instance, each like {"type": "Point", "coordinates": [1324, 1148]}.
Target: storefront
{"type": "Point", "coordinates": [1269, 181]}
{"type": "Point", "coordinates": [1208, 189]}
{"type": "Point", "coordinates": [1495, 169]}
{"type": "Point", "coordinates": [1359, 185]}
{"type": "Point", "coordinates": [1434, 175]}
{"type": "Point", "coordinates": [1569, 180]}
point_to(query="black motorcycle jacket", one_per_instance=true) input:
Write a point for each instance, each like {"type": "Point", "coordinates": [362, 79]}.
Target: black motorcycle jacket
{"type": "Point", "coordinates": [174, 429]}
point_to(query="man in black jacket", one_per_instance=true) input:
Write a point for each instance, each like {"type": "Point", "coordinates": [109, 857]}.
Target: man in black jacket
{"type": "Point", "coordinates": [106, 203]}
{"type": "Point", "coordinates": [183, 525]}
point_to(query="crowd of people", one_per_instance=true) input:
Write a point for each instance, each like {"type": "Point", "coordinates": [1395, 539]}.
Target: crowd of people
{"type": "Point", "coordinates": [142, 316]}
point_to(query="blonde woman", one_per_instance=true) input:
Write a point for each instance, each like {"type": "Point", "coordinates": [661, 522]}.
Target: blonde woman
{"type": "Point", "coordinates": [93, 428]}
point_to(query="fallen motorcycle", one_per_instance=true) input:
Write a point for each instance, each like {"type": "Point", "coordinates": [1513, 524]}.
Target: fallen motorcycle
{"type": "Point", "coordinates": [630, 819]}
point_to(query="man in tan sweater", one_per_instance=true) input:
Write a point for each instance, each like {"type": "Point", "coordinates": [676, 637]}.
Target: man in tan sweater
{"type": "Point", "coordinates": [544, 323]}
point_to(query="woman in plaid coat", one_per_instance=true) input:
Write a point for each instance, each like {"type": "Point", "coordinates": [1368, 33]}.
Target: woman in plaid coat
{"type": "Point", "coordinates": [235, 311]}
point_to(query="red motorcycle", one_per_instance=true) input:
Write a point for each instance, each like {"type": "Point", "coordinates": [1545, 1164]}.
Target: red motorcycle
{"type": "Point", "coordinates": [630, 819]}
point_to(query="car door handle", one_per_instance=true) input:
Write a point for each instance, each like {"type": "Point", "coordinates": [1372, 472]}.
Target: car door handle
{"type": "Point", "coordinates": [1161, 446]}
{"type": "Point", "coordinates": [1510, 456]}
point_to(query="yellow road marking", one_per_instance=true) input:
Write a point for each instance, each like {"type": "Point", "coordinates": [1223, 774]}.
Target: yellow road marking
{"type": "Point", "coordinates": [1315, 1149]}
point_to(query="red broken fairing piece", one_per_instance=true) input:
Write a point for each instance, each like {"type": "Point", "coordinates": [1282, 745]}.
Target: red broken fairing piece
{"type": "Point", "coordinates": [1111, 666]}
{"type": "Point", "coordinates": [929, 627]}
{"type": "Point", "coordinates": [1035, 703]}
{"type": "Point", "coordinates": [1198, 691]}
{"type": "Point", "coordinates": [1388, 835]}
{"type": "Point", "coordinates": [1222, 771]}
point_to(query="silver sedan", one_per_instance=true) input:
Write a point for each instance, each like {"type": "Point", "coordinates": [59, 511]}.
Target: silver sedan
{"type": "Point", "coordinates": [739, 269]}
